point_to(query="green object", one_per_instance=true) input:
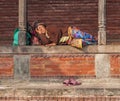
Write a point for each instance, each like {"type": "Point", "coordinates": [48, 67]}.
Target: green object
{"type": "Point", "coordinates": [15, 37]}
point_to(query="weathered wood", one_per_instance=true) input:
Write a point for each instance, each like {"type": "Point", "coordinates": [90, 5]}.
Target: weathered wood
{"type": "Point", "coordinates": [102, 22]}
{"type": "Point", "coordinates": [22, 22]}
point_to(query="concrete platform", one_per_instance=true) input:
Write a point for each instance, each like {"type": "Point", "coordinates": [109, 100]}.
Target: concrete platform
{"type": "Point", "coordinates": [64, 49]}
{"type": "Point", "coordinates": [89, 87]}
{"type": "Point", "coordinates": [100, 85]}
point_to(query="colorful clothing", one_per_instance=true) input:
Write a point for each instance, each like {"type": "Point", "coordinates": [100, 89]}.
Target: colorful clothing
{"type": "Point", "coordinates": [76, 33]}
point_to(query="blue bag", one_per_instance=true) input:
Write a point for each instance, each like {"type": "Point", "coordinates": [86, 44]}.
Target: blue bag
{"type": "Point", "coordinates": [15, 37]}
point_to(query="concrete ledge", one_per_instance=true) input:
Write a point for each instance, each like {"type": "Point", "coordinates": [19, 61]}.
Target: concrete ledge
{"type": "Point", "coordinates": [51, 60]}
{"type": "Point", "coordinates": [106, 49]}
{"type": "Point", "coordinates": [39, 49]}
{"type": "Point", "coordinates": [91, 87]}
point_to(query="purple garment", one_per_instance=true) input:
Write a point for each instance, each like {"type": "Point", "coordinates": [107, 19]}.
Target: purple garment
{"type": "Point", "coordinates": [76, 33]}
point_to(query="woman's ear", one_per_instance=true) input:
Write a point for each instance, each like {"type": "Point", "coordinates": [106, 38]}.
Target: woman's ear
{"type": "Point", "coordinates": [36, 30]}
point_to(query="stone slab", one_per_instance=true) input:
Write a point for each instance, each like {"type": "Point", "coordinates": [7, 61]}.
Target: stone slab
{"type": "Point", "coordinates": [89, 87]}
{"type": "Point", "coordinates": [106, 49]}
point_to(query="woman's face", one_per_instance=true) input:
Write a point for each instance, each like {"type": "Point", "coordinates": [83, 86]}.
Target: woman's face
{"type": "Point", "coordinates": [41, 29]}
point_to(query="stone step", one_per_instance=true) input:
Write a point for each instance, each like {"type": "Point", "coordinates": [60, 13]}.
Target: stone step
{"type": "Point", "coordinates": [89, 87]}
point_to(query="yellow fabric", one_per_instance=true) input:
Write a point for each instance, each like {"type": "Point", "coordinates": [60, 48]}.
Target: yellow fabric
{"type": "Point", "coordinates": [64, 39]}
{"type": "Point", "coordinates": [70, 31]}
{"type": "Point", "coordinates": [76, 43]}
{"type": "Point", "coordinates": [70, 34]}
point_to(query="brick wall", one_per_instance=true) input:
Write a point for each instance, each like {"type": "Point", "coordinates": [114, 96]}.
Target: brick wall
{"type": "Point", "coordinates": [113, 19]}
{"type": "Point", "coordinates": [115, 65]}
{"type": "Point", "coordinates": [82, 65]}
{"type": "Point", "coordinates": [6, 66]}
{"type": "Point", "coordinates": [8, 20]}
{"type": "Point", "coordinates": [60, 65]}
{"type": "Point", "coordinates": [82, 13]}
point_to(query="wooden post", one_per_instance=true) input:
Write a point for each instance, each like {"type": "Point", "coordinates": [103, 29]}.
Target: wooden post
{"type": "Point", "coordinates": [102, 22]}
{"type": "Point", "coordinates": [22, 22]}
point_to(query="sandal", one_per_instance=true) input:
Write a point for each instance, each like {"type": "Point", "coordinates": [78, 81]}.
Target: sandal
{"type": "Point", "coordinates": [74, 82]}
{"type": "Point", "coordinates": [71, 81]}
{"type": "Point", "coordinates": [66, 82]}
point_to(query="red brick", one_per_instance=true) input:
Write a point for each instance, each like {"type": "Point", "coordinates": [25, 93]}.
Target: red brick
{"type": "Point", "coordinates": [6, 66]}
{"type": "Point", "coordinates": [115, 64]}
{"type": "Point", "coordinates": [100, 98]}
{"type": "Point", "coordinates": [37, 72]}
{"type": "Point", "coordinates": [109, 99]}
{"type": "Point", "coordinates": [73, 66]}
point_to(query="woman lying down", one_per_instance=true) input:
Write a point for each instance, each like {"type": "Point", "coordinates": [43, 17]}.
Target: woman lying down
{"type": "Point", "coordinates": [75, 37]}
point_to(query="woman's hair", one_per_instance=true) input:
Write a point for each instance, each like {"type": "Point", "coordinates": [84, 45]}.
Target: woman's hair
{"type": "Point", "coordinates": [29, 28]}
{"type": "Point", "coordinates": [37, 23]}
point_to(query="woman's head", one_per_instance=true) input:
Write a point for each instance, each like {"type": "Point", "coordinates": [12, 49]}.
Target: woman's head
{"type": "Point", "coordinates": [39, 27]}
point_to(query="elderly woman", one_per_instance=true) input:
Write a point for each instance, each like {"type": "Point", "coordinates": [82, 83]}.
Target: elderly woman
{"type": "Point", "coordinates": [45, 36]}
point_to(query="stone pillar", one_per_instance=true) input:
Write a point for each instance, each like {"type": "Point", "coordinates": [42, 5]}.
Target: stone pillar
{"type": "Point", "coordinates": [102, 22]}
{"type": "Point", "coordinates": [21, 67]}
{"type": "Point", "coordinates": [22, 22]}
{"type": "Point", "coordinates": [102, 65]}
